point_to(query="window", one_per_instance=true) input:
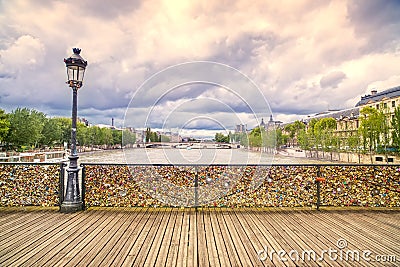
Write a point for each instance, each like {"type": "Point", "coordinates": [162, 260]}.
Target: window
{"type": "Point", "coordinates": [377, 106]}
{"type": "Point", "coordinates": [393, 104]}
{"type": "Point", "coordinates": [384, 105]}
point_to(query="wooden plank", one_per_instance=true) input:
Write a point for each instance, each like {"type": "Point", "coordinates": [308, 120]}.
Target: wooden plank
{"type": "Point", "coordinates": [332, 232]}
{"type": "Point", "coordinates": [165, 245]}
{"type": "Point", "coordinates": [148, 240]}
{"type": "Point", "coordinates": [295, 243]}
{"type": "Point", "coordinates": [212, 250]}
{"type": "Point", "coordinates": [192, 246]}
{"type": "Point", "coordinates": [156, 248]}
{"type": "Point", "coordinates": [37, 231]}
{"type": "Point", "coordinates": [54, 245]}
{"type": "Point", "coordinates": [357, 236]}
{"type": "Point", "coordinates": [229, 243]}
{"type": "Point", "coordinates": [130, 253]}
{"type": "Point", "coordinates": [87, 254]}
{"type": "Point", "coordinates": [262, 236]}
{"type": "Point", "coordinates": [184, 241]}
{"type": "Point", "coordinates": [378, 227]}
{"type": "Point", "coordinates": [238, 241]}
{"type": "Point", "coordinates": [254, 244]}
{"type": "Point", "coordinates": [16, 218]}
{"type": "Point", "coordinates": [202, 244]}
{"type": "Point", "coordinates": [305, 234]}
{"type": "Point", "coordinates": [223, 253]}
{"type": "Point", "coordinates": [119, 253]}
{"type": "Point", "coordinates": [174, 246]}
{"type": "Point", "coordinates": [216, 237]}
{"type": "Point", "coordinates": [22, 228]}
{"type": "Point", "coordinates": [273, 241]}
{"type": "Point", "coordinates": [114, 243]}
{"type": "Point", "coordinates": [36, 250]}
{"type": "Point", "coordinates": [74, 243]}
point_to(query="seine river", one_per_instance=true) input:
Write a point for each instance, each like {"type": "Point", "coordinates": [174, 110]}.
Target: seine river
{"type": "Point", "coordinates": [184, 156]}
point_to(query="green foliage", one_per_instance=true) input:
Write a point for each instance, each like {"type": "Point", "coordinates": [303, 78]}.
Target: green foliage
{"type": "Point", "coordinates": [323, 131]}
{"type": "Point", "coordinates": [128, 138]}
{"type": "Point", "coordinates": [396, 128]}
{"type": "Point", "coordinates": [221, 138]}
{"type": "Point", "coordinates": [165, 138]}
{"type": "Point", "coordinates": [372, 126]}
{"type": "Point", "coordinates": [257, 137]}
{"type": "Point", "coordinates": [25, 128]}
{"type": "Point", "coordinates": [4, 125]}
{"type": "Point", "coordinates": [51, 133]}
{"type": "Point", "coordinates": [294, 129]}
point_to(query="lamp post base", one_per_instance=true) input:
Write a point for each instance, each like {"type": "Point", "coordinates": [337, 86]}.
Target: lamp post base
{"type": "Point", "coordinates": [70, 207]}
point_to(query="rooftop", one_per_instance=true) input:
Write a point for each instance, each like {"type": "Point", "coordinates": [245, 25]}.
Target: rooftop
{"type": "Point", "coordinates": [375, 97]}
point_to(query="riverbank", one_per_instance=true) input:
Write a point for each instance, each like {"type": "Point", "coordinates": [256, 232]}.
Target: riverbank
{"type": "Point", "coordinates": [196, 156]}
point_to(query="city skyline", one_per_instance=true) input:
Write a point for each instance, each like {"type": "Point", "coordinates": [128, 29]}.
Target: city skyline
{"type": "Point", "coordinates": [305, 57]}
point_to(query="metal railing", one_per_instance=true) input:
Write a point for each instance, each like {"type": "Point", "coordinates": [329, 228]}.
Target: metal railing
{"type": "Point", "coordinates": [31, 184]}
{"type": "Point", "coordinates": [294, 185]}
{"type": "Point", "coordinates": [149, 185]}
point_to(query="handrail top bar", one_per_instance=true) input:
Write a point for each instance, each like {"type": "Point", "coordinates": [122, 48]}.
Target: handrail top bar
{"type": "Point", "coordinates": [33, 163]}
{"type": "Point", "coordinates": [241, 165]}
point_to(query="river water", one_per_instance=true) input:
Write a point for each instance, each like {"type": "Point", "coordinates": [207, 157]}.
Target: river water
{"type": "Point", "coordinates": [193, 156]}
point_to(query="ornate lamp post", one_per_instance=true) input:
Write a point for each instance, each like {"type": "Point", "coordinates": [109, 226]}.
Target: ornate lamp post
{"type": "Point", "coordinates": [76, 66]}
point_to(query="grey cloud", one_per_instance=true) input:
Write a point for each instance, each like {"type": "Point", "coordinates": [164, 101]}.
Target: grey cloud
{"type": "Point", "coordinates": [107, 9]}
{"type": "Point", "coordinates": [332, 79]}
{"type": "Point", "coordinates": [243, 49]}
{"type": "Point", "coordinates": [377, 21]}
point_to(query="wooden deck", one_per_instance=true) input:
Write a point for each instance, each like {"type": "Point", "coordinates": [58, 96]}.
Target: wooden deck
{"type": "Point", "coordinates": [208, 237]}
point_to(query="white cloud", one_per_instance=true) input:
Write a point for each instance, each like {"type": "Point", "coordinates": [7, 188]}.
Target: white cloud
{"type": "Point", "coordinates": [305, 56]}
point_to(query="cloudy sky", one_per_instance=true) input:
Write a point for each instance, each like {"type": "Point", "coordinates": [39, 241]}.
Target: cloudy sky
{"type": "Point", "coordinates": [288, 58]}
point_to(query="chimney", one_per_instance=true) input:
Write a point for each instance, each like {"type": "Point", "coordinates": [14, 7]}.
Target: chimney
{"type": "Point", "coordinates": [374, 91]}
{"type": "Point", "coordinates": [112, 121]}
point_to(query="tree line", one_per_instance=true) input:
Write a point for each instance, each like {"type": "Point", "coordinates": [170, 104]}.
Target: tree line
{"type": "Point", "coordinates": [26, 128]}
{"type": "Point", "coordinates": [151, 136]}
{"type": "Point", "coordinates": [378, 132]}
{"type": "Point", "coordinates": [258, 137]}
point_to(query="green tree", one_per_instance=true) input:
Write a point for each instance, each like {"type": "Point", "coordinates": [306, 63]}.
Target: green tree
{"type": "Point", "coordinates": [51, 133]}
{"type": "Point", "coordinates": [82, 134]}
{"type": "Point", "coordinates": [148, 135]}
{"type": "Point", "coordinates": [396, 128]}
{"type": "Point", "coordinates": [370, 128]}
{"type": "Point", "coordinates": [25, 127]}
{"type": "Point", "coordinates": [257, 137]}
{"type": "Point", "coordinates": [117, 137]}
{"type": "Point", "coordinates": [128, 138]}
{"type": "Point", "coordinates": [294, 129]}
{"type": "Point", "coordinates": [65, 125]}
{"type": "Point", "coordinates": [323, 131]}
{"type": "Point", "coordinates": [221, 138]}
{"type": "Point", "coordinates": [244, 139]}
{"type": "Point", "coordinates": [164, 138]}
{"type": "Point", "coordinates": [304, 140]}
{"type": "Point", "coordinates": [4, 125]}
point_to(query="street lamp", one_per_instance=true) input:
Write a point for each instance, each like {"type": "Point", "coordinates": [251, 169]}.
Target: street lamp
{"type": "Point", "coordinates": [76, 66]}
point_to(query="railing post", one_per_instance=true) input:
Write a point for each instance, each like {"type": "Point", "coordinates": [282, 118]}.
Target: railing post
{"type": "Point", "coordinates": [196, 188]}
{"type": "Point", "coordinates": [318, 194]}
{"type": "Point", "coordinates": [83, 186]}
{"type": "Point", "coordinates": [61, 184]}
{"type": "Point", "coordinates": [318, 180]}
